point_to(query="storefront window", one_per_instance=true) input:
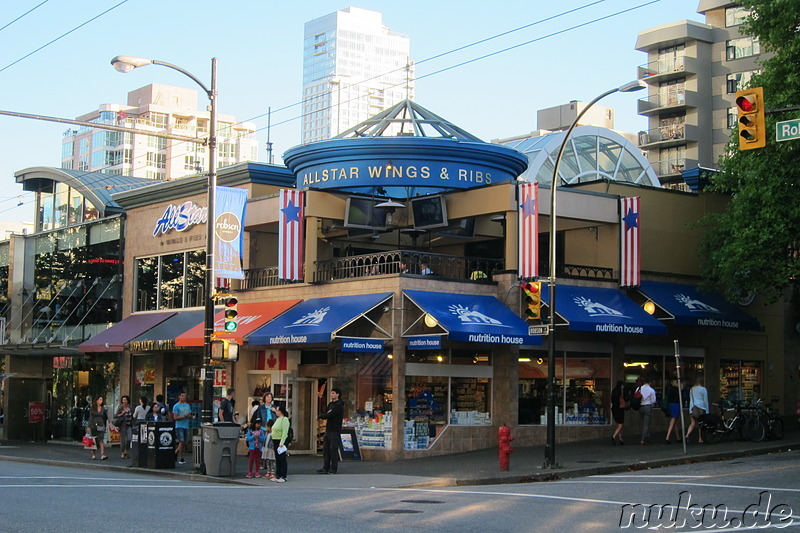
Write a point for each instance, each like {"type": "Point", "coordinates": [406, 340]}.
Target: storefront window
{"type": "Point", "coordinates": [170, 281]}
{"type": "Point", "coordinates": [584, 388]}
{"type": "Point", "coordinates": [143, 372]}
{"type": "Point", "coordinates": [373, 399]}
{"type": "Point", "coordinates": [740, 381]}
{"type": "Point", "coordinates": [427, 399]}
{"type": "Point", "coordinates": [471, 398]}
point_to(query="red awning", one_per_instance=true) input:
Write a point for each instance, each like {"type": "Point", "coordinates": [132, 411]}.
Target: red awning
{"type": "Point", "coordinates": [114, 338]}
{"type": "Point", "coordinates": [251, 316]}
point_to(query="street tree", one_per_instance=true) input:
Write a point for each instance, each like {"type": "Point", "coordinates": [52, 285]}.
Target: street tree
{"type": "Point", "coordinates": [755, 243]}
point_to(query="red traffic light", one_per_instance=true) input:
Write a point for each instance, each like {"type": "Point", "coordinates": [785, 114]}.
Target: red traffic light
{"type": "Point", "coordinates": [231, 302]}
{"type": "Point", "coordinates": [746, 103]}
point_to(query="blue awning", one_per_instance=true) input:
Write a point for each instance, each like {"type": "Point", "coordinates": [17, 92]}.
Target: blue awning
{"type": "Point", "coordinates": [474, 318]}
{"type": "Point", "coordinates": [690, 307]}
{"type": "Point", "coordinates": [317, 320]}
{"type": "Point", "coordinates": [601, 311]}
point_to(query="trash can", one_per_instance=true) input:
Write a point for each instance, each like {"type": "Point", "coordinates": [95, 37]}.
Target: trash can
{"type": "Point", "coordinates": [220, 441]}
{"type": "Point", "coordinates": [160, 445]}
{"type": "Point", "coordinates": [139, 446]}
{"type": "Point", "coordinates": [197, 451]}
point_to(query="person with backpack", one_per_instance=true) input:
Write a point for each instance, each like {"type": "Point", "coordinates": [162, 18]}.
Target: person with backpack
{"type": "Point", "coordinates": [280, 438]}
{"type": "Point", "coordinates": [646, 409]}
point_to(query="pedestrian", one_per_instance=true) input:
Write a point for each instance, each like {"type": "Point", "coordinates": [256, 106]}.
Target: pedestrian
{"type": "Point", "coordinates": [646, 409]}
{"type": "Point", "coordinates": [162, 407]}
{"type": "Point", "coordinates": [181, 413]}
{"type": "Point", "coordinates": [256, 438]}
{"type": "Point", "coordinates": [674, 411]}
{"type": "Point", "coordinates": [333, 416]}
{"type": "Point", "coordinates": [154, 413]}
{"type": "Point", "coordinates": [425, 270]}
{"type": "Point", "coordinates": [266, 411]}
{"type": "Point", "coordinates": [618, 405]}
{"type": "Point", "coordinates": [98, 422]}
{"type": "Point", "coordinates": [123, 419]}
{"type": "Point", "coordinates": [225, 411]}
{"type": "Point", "coordinates": [268, 454]}
{"type": "Point", "coordinates": [280, 430]}
{"type": "Point", "coordinates": [253, 414]}
{"type": "Point", "coordinates": [698, 407]}
{"type": "Point", "coordinates": [140, 413]}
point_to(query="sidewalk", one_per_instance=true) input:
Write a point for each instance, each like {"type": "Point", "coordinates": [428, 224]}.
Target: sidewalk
{"type": "Point", "coordinates": [471, 468]}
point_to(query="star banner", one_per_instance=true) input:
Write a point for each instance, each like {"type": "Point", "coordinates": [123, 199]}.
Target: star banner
{"type": "Point", "coordinates": [528, 230]}
{"type": "Point", "coordinates": [291, 241]}
{"type": "Point", "coordinates": [630, 242]}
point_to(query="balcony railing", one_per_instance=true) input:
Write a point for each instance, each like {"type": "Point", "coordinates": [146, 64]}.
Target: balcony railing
{"type": "Point", "coordinates": [407, 262]}
{"type": "Point", "coordinates": [662, 66]}
{"type": "Point", "coordinates": [262, 277]}
{"type": "Point", "coordinates": [673, 132]}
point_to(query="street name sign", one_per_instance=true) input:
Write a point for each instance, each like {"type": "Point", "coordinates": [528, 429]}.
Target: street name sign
{"type": "Point", "coordinates": [787, 130]}
{"type": "Point", "coordinates": [538, 330]}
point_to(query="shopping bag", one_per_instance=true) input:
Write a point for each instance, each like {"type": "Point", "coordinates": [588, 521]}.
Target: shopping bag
{"type": "Point", "coordinates": [89, 443]}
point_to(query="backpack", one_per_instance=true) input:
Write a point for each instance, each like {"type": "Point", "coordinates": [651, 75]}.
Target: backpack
{"type": "Point", "coordinates": [289, 436]}
{"type": "Point", "coordinates": [636, 400]}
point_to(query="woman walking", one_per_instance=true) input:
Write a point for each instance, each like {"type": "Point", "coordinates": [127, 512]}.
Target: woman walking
{"type": "Point", "coordinates": [674, 412]}
{"type": "Point", "coordinates": [98, 422]}
{"type": "Point", "coordinates": [140, 413]}
{"type": "Point", "coordinates": [280, 430]}
{"type": "Point", "coordinates": [123, 419]}
{"type": "Point", "coordinates": [698, 406]}
{"type": "Point", "coordinates": [618, 406]}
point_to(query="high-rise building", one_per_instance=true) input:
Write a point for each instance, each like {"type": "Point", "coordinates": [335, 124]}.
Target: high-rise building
{"type": "Point", "coordinates": [353, 68]}
{"type": "Point", "coordinates": [155, 108]}
{"type": "Point", "coordinates": [693, 71]}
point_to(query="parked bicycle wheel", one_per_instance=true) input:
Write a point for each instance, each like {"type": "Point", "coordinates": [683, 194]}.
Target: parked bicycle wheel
{"type": "Point", "coordinates": [755, 429]}
{"type": "Point", "coordinates": [711, 436]}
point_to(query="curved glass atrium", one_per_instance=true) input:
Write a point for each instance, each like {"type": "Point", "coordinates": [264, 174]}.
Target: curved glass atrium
{"type": "Point", "coordinates": [591, 154]}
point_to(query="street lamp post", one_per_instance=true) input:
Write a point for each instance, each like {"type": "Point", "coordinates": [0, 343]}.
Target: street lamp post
{"type": "Point", "coordinates": [550, 446]}
{"type": "Point", "coordinates": [126, 64]}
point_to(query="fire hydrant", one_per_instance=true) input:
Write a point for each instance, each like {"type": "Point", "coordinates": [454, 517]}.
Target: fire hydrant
{"type": "Point", "coordinates": [504, 439]}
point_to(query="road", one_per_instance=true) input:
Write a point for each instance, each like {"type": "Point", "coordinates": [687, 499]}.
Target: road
{"type": "Point", "coordinates": [761, 491]}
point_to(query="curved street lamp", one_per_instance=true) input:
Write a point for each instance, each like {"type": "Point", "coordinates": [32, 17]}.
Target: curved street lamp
{"type": "Point", "coordinates": [550, 446]}
{"type": "Point", "coordinates": [126, 64]}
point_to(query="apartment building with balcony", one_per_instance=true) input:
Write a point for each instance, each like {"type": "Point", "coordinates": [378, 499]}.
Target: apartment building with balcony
{"type": "Point", "coordinates": [155, 108]}
{"type": "Point", "coordinates": [693, 71]}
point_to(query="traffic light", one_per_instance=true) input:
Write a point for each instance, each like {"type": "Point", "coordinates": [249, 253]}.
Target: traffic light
{"type": "Point", "coordinates": [752, 128]}
{"type": "Point", "coordinates": [231, 314]}
{"type": "Point", "coordinates": [533, 300]}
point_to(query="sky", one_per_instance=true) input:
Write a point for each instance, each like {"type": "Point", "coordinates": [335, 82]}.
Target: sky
{"type": "Point", "coordinates": [55, 61]}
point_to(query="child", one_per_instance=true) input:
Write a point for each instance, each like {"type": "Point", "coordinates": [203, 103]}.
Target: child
{"type": "Point", "coordinates": [268, 455]}
{"type": "Point", "coordinates": [256, 438]}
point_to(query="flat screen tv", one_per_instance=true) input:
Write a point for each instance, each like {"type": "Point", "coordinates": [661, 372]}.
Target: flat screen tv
{"type": "Point", "coordinates": [362, 213]}
{"type": "Point", "coordinates": [463, 228]}
{"type": "Point", "coordinates": [429, 212]}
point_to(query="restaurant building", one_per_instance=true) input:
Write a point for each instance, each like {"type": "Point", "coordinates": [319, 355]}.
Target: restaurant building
{"type": "Point", "coordinates": [409, 295]}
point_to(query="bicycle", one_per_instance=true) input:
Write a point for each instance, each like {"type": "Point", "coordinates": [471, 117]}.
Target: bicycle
{"type": "Point", "coordinates": [714, 427]}
{"type": "Point", "coordinates": [765, 423]}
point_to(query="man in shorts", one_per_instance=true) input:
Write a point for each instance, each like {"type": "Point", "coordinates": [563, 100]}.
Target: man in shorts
{"type": "Point", "coordinates": [181, 413]}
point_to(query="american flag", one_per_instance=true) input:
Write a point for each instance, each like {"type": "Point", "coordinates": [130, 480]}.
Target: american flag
{"type": "Point", "coordinates": [291, 241]}
{"type": "Point", "coordinates": [630, 242]}
{"type": "Point", "coordinates": [528, 230]}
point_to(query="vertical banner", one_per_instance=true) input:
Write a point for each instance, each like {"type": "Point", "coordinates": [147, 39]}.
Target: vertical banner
{"type": "Point", "coordinates": [229, 232]}
{"type": "Point", "coordinates": [528, 230]}
{"type": "Point", "coordinates": [630, 242]}
{"type": "Point", "coordinates": [291, 229]}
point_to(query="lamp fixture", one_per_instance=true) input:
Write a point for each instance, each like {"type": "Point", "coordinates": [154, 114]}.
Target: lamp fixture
{"type": "Point", "coordinates": [390, 205]}
{"type": "Point", "coordinates": [649, 307]}
{"type": "Point", "coordinates": [430, 320]}
{"type": "Point", "coordinates": [524, 360]}
{"type": "Point", "coordinates": [640, 364]}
